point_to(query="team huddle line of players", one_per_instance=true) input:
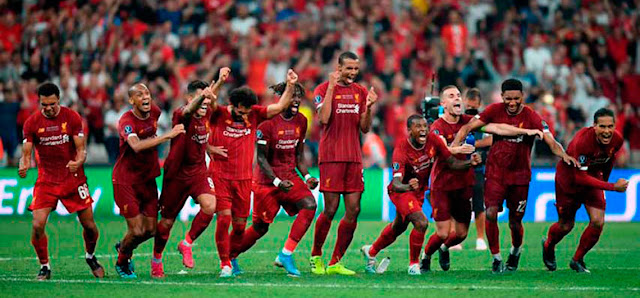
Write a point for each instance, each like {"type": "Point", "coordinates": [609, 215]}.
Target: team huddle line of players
{"type": "Point", "coordinates": [434, 157]}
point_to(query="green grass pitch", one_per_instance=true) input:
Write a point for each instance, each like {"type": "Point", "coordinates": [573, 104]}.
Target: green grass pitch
{"type": "Point", "coordinates": [614, 264]}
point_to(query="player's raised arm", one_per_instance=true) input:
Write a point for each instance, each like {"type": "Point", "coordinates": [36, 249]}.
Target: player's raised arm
{"type": "Point", "coordinates": [215, 87]}
{"type": "Point", "coordinates": [287, 96]}
{"type": "Point", "coordinates": [140, 145]}
{"type": "Point", "coordinates": [365, 118]}
{"type": "Point", "coordinates": [473, 125]}
{"type": "Point", "coordinates": [324, 108]}
{"type": "Point", "coordinates": [509, 130]}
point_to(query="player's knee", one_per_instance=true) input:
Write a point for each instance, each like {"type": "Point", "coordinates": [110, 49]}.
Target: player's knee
{"type": "Point", "coordinates": [421, 225]}
{"type": "Point", "coordinates": [328, 213]}
{"type": "Point", "coordinates": [443, 233]}
{"type": "Point", "coordinates": [138, 232]}
{"type": "Point", "coordinates": [597, 223]}
{"type": "Point", "coordinates": [38, 228]}
{"type": "Point", "coordinates": [461, 234]}
{"type": "Point", "coordinates": [353, 212]}
{"type": "Point", "coordinates": [566, 226]}
{"type": "Point", "coordinates": [492, 214]}
{"type": "Point", "coordinates": [309, 204]}
{"type": "Point", "coordinates": [208, 206]}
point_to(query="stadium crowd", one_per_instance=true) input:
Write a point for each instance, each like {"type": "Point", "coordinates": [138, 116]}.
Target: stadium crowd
{"type": "Point", "coordinates": [574, 57]}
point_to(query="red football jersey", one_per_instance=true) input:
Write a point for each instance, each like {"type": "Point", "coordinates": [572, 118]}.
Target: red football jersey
{"type": "Point", "coordinates": [595, 159]}
{"type": "Point", "coordinates": [444, 178]}
{"type": "Point", "coordinates": [340, 140]}
{"type": "Point", "coordinates": [509, 159]}
{"type": "Point", "coordinates": [131, 167]}
{"type": "Point", "coordinates": [282, 137]}
{"type": "Point", "coordinates": [187, 154]}
{"type": "Point", "coordinates": [409, 162]}
{"type": "Point", "coordinates": [238, 138]}
{"type": "Point", "coordinates": [53, 141]}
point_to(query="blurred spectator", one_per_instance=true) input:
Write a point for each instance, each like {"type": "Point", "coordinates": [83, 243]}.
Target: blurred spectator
{"type": "Point", "coordinates": [111, 118]}
{"type": "Point", "coordinates": [582, 54]}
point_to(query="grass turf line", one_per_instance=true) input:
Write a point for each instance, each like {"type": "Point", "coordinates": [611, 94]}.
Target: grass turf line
{"type": "Point", "coordinates": [613, 263]}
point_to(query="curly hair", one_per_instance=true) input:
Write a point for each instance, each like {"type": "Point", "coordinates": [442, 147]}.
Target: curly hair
{"type": "Point", "coordinates": [298, 90]}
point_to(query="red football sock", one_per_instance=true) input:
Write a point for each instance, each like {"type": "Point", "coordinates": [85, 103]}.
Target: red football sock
{"type": "Point", "coordinates": [589, 238]}
{"type": "Point", "coordinates": [299, 228]}
{"type": "Point", "coordinates": [160, 241]}
{"type": "Point", "coordinates": [345, 235]}
{"type": "Point", "coordinates": [323, 225]}
{"type": "Point", "coordinates": [493, 236]}
{"type": "Point", "coordinates": [42, 248]}
{"type": "Point", "coordinates": [554, 236]}
{"type": "Point", "coordinates": [222, 239]}
{"type": "Point", "coordinates": [198, 225]}
{"type": "Point", "coordinates": [387, 236]}
{"type": "Point", "coordinates": [90, 240]}
{"type": "Point", "coordinates": [453, 240]}
{"type": "Point", "coordinates": [517, 233]}
{"type": "Point", "coordinates": [237, 232]}
{"type": "Point", "coordinates": [249, 238]}
{"type": "Point", "coordinates": [433, 244]}
{"type": "Point", "coordinates": [416, 239]}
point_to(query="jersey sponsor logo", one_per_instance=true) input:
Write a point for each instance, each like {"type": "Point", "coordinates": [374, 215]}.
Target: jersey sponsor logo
{"type": "Point", "coordinates": [348, 108]}
{"type": "Point", "coordinates": [259, 134]}
{"type": "Point", "coordinates": [54, 140]}
{"type": "Point", "coordinates": [396, 166]}
{"type": "Point", "coordinates": [128, 129]}
{"type": "Point", "coordinates": [200, 138]}
{"type": "Point", "coordinates": [236, 132]}
{"type": "Point", "coordinates": [287, 144]}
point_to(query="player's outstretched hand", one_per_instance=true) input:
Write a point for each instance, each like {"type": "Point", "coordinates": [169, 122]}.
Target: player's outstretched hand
{"type": "Point", "coordinates": [476, 159]}
{"type": "Point", "coordinates": [333, 78]}
{"type": "Point", "coordinates": [621, 185]}
{"type": "Point", "coordinates": [372, 97]}
{"type": "Point", "coordinates": [217, 150]}
{"type": "Point", "coordinates": [414, 183]}
{"type": "Point", "coordinates": [292, 77]}
{"type": "Point", "coordinates": [176, 130]}
{"type": "Point", "coordinates": [466, 149]}
{"type": "Point", "coordinates": [22, 169]}
{"type": "Point", "coordinates": [568, 159]}
{"type": "Point", "coordinates": [224, 74]}
{"type": "Point", "coordinates": [312, 183]}
{"type": "Point", "coordinates": [285, 185]}
{"type": "Point", "coordinates": [73, 166]}
{"type": "Point", "coordinates": [535, 132]}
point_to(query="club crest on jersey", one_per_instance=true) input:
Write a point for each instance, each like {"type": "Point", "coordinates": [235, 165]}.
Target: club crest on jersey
{"type": "Point", "coordinates": [318, 99]}
{"type": "Point", "coordinates": [128, 129]}
{"type": "Point", "coordinates": [259, 134]}
{"type": "Point", "coordinates": [357, 96]}
{"type": "Point", "coordinates": [396, 166]}
{"type": "Point", "coordinates": [64, 127]}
